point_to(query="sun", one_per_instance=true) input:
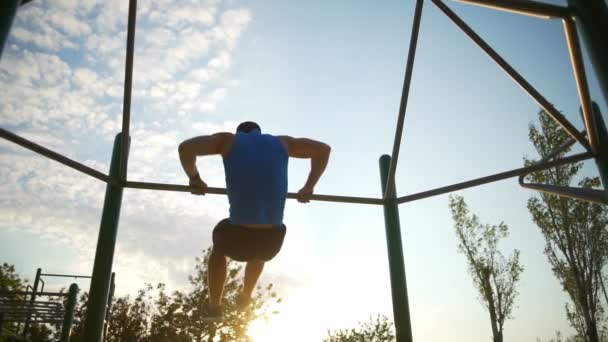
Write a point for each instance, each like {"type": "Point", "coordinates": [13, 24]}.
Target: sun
{"type": "Point", "coordinates": [285, 326]}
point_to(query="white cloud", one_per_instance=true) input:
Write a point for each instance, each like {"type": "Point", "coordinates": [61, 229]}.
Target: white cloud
{"type": "Point", "coordinates": [232, 25]}
{"type": "Point", "coordinates": [61, 82]}
{"type": "Point", "coordinates": [68, 23]}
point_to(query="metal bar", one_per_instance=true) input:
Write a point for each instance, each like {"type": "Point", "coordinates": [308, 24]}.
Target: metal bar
{"type": "Point", "coordinates": [104, 253]}
{"type": "Point", "coordinates": [64, 275]}
{"type": "Point", "coordinates": [401, 307]}
{"type": "Point", "coordinates": [546, 105]}
{"type": "Point", "coordinates": [525, 7]}
{"type": "Point", "coordinates": [8, 11]}
{"type": "Point", "coordinates": [578, 68]}
{"type": "Point", "coordinates": [109, 306]}
{"type": "Point", "coordinates": [68, 319]}
{"type": "Point", "coordinates": [126, 107]}
{"type": "Point", "coordinates": [601, 159]}
{"type": "Point", "coordinates": [591, 195]}
{"type": "Point", "coordinates": [32, 299]}
{"type": "Point", "coordinates": [24, 304]}
{"type": "Point", "coordinates": [42, 281]}
{"type": "Point", "coordinates": [496, 177]}
{"type": "Point", "coordinates": [404, 97]}
{"type": "Point", "coordinates": [26, 310]}
{"type": "Point", "coordinates": [592, 18]}
{"type": "Point", "coordinates": [52, 155]}
{"type": "Point", "coordinates": [52, 294]}
{"type": "Point", "coordinates": [222, 191]}
{"type": "Point", "coordinates": [51, 321]}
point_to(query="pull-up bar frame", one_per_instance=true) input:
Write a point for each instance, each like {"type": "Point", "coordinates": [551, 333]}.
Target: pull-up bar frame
{"type": "Point", "coordinates": [592, 15]}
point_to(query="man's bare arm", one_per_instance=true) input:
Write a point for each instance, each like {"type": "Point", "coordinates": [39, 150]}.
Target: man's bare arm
{"type": "Point", "coordinates": [201, 146]}
{"type": "Point", "coordinates": [318, 153]}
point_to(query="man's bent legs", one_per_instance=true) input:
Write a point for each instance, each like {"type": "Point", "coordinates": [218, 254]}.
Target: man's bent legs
{"type": "Point", "coordinates": [216, 274]}
{"type": "Point", "coordinates": [252, 274]}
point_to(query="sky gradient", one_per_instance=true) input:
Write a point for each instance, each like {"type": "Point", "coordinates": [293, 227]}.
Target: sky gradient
{"type": "Point", "coordinates": [331, 71]}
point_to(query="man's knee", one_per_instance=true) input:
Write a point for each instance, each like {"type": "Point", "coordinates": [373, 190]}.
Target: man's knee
{"type": "Point", "coordinates": [216, 254]}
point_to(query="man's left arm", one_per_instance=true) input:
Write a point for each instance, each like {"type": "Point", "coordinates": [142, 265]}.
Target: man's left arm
{"type": "Point", "coordinates": [201, 146]}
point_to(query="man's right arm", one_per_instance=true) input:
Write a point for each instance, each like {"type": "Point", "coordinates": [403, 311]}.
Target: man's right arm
{"type": "Point", "coordinates": [317, 152]}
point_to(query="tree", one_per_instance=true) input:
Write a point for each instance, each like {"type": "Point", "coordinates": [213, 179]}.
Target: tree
{"type": "Point", "coordinates": [9, 279]}
{"type": "Point", "coordinates": [575, 232]}
{"type": "Point", "coordinates": [374, 330]}
{"type": "Point", "coordinates": [156, 316]}
{"type": "Point", "coordinates": [494, 276]}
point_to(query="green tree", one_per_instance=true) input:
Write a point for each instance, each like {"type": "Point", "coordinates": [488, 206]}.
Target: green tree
{"type": "Point", "coordinates": [494, 276]}
{"type": "Point", "coordinates": [9, 279]}
{"type": "Point", "coordinates": [379, 329]}
{"type": "Point", "coordinates": [575, 232]}
{"type": "Point", "coordinates": [156, 316]}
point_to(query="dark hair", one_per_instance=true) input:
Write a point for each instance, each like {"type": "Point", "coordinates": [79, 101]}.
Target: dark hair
{"type": "Point", "coordinates": [248, 126]}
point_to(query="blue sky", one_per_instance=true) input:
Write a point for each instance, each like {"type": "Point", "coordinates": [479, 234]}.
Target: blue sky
{"type": "Point", "coordinates": [329, 71]}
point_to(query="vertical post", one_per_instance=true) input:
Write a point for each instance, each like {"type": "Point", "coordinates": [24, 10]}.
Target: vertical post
{"type": "Point", "coordinates": [32, 299]}
{"type": "Point", "coordinates": [109, 306]}
{"type": "Point", "coordinates": [126, 106]}
{"type": "Point", "coordinates": [104, 255]}
{"type": "Point", "coordinates": [592, 19]}
{"type": "Point", "coordinates": [601, 159]}
{"type": "Point", "coordinates": [405, 93]}
{"type": "Point", "coordinates": [401, 307]}
{"type": "Point", "coordinates": [8, 10]}
{"type": "Point", "coordinates": [68, 318]}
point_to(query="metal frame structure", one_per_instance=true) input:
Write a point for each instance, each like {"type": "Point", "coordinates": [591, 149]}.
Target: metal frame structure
{"type": "Point", "coordinates": [588, 17]}
{"type": "Point", "coordinates": [15, 307]}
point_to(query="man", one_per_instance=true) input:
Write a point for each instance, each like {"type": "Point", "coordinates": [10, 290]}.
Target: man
{"type": "Point", "coordinates": [255, 166]}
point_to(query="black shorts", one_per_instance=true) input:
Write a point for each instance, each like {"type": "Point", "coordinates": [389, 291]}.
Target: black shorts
{"type": "Point", "coordinates": [242, 243]}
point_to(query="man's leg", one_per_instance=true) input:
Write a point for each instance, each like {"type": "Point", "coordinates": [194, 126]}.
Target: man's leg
{"type": "Point", "coordinates": [252, 274]}
{"type": "Point", "coordinates": [216, 274]}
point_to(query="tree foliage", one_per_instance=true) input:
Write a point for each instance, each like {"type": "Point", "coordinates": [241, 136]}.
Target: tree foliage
{"type": "Point", "coordinates": [9, 279]}
{"type": "Point", "coordinates": [154, 315]}
{"type": "Point", "coordinates": [378, 329]}
{"type": "Point", "coordinates": [575, 232]}
{"type": "Point", "coordinates": [494, 276]}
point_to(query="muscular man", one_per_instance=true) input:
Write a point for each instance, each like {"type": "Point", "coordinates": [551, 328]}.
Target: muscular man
{"type": "Point", "coordinates": [255, 166]}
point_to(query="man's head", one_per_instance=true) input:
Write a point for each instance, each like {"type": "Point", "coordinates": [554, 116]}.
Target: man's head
{"type": "Point", "coordinates": [248, 126]}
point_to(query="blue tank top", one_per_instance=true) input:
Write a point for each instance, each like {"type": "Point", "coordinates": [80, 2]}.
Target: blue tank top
{"type": "Point", "coordinates": [256, 179]}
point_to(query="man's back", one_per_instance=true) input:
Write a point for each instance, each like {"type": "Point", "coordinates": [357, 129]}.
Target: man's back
{"type": "Point", "coordinates": [256, 179]}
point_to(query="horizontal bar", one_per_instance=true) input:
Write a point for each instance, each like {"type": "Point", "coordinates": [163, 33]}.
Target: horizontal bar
{"type": "Point", "coordinates": [53, 155]}
{"type": "Point", "coordinates": [25, 311]}
{"type": "Point", "coordinates": [496, 177]}
{"type": "Point", "coordinates": [5, 294]}
{"type": "Point", "coordinates": [222, 191]}
{"type": "Point", "coordinates": [44, 321]}
{"type": "Point", "coordinates": [578, 68]}
{"type": "Point", "coordinates": [527, 87]}
{"type": "Point", "coordinates": [64, 275]}
{"type": "Point", "coordinates": [21, 303]}
{"type": "Point", "coordinates": [531, 8]}
{"type": "Point", "coordinates": [389, 191]}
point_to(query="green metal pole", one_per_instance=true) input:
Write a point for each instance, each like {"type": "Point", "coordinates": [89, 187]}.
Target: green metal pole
{"type": "Point", "coordinates": [104, 255]}
{"type": "Point", "coordinates": [8, 10]}
{"type": "Point", "coordinates": [401, 307]}
{"type": "Point", "coordinates": [32, 300]}
{"type": "Point", "coordinates": [68, 319]}
{"type": "Point", "coordinates": [109, 307]}
{"type": "Point", "coordinates": [601, 159]}
{"type": "Point", "coordinates": [591, 17]}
